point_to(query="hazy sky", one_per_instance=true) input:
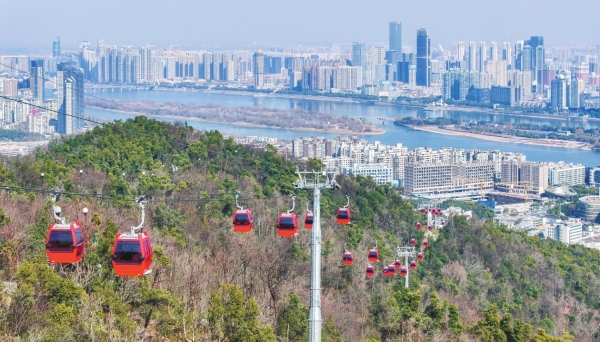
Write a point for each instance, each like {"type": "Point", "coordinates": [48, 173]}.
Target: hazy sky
{"type": "Point", "coordinates": [29, 24]}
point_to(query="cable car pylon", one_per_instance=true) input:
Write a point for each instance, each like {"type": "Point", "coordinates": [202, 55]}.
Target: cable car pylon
{"type": "Point", "coordinates": [316, 181]}
{"type": "Point", "coordinates": [405, 252]}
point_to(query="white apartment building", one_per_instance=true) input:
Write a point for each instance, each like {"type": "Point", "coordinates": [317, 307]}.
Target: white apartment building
{"type": "Point", "coordinates": [562, 173]}
{"type": "Point", "coordinates": [381, 173]}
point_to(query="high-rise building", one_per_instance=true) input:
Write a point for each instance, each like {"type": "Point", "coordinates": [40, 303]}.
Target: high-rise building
{"type": "Point", "coordinates": [537, 61]}
{"type": "Point", "coordinates": [359, 58]}
{"type": "Point", "coordinates": [423, 58]}
{"type": "Point", "coordinates": [558, 99]}
{"type": "Point", "coordinates": [482, 57]}
{"type": "Point", "coordinates": [379, 55]}
{"type": "Point", "coordinates": [507, 55]}
{"type": "Point", "coordinates": [259, 69]}
{"type": "Point", "coordinates": [494, 51]}
{"type": "Point", "coordinates": [575, 90]}
{"type": "Point", "coordinates": [472, 57]}
{"type": "Point", "coordinates": [70, 93]}
{"type": "Point", "coordinates": [395, 40]}
{"type": "Point", "coordinates": [36, 79]}
{"type": "Point", "coordinates": [460, 55]}
{"type": "Point", "coordinates": [56, 48]}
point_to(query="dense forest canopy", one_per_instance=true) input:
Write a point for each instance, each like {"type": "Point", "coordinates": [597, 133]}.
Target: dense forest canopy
{"type": "Point", "coordinates": [477, 282]}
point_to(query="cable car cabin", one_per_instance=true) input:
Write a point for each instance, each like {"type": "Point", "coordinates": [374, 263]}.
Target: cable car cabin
{"type": "Point", "coordinates": [403, 271]}
{"type": "Point", "coordinates": [347, 258]}
{"type": "Point", "coordinates": [373, 255]}
{"type": "Point", "coordinates": [413, 242]}
{"type": "Point", "coordinates": [443, 223]}
{"type": "Point", "coordinates": [419, 225]}
{"type": "Point", "coordinates": [343, 216]}
{"type": "Point", "coordinates": [64, 243]}
{"type": "Point", "coordinates": [370, 271]}
{"type": "Point", "coordinates": [423, 211]}
{"type": "Point", "coordinates": [397, 264]}
{"type": "Point", "coordinates": [385, 272]}
{"type": "Point", "coordinates": [243, 220]}
{"type": "Point", "coordinates": [132, 254]}
{"type": "Point", "coordinates": [429, 228]}
{"type": "Point", "coordinates": [413, 265]}
{"type": "Point", "coordinates": [308, 220]}
{"type": "Point", "coordinates": [391, 270]}
{"type": "Point", "coordinates": [287, 225]}
{"type": "Point", "coordinates": [420, 256]}
{"type": "Point", "coordinates": [425, 243]}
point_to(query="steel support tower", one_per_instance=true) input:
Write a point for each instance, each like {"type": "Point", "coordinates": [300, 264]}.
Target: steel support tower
{"type": "Point", "coordinates": [405, 252]}
{"type": "Point", "coordinates": [316, 181]}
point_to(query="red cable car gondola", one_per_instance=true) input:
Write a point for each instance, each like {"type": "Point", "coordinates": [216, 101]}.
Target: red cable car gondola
{"type": "Point", "coordinates": [132, 251]}
{"type": "Point", "coordinates": [413, 265]}
{"type": "Point", "coordinates": [403, 271]}
{"type": "Point", "coordinates": [287, 223]}
{"type": "Point", "coordinates": [343, 215]}
{"type": "Point", "coordinates": [391, 270]}
{"type": "Point", "coordinates": [413, 241]}
{"type": "Point", "coordinates": [385, 272]}
{"type": "Point", "coordinates": [373, 255]}
{"type": "Point", "coordinates": [425, 243]}
{"type": "Point", "coordinates": [64, 242]}
{"type": "Point", "coordinates": [423, 211]}
{"type": "Point", "coordinates": [242, 218]}
{"type": "Point", "coordinates": [420, 256]}
{"type": "Point", "coordinates": [418, 225]}
{"type": "Point", "coordinates": [430, 228]}
{"type": "Point", "coordinates": [370, 271]}
{"type": "Point", "coordinates": [308, 218]}
{"type": "Point", "coordinates": [443, 223]}
{"type": "Point", "coordinates": [132, 254]}
{"type": "Point", "coordinates": [347, 258]}
{"type": "Point", "coordinates": [397, 264]}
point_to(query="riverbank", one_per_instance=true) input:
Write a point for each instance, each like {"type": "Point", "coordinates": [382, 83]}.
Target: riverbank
{"type": "Point", "coordinates": [450, 130]}
{"type": "Point", "coordinates": [240, 124]}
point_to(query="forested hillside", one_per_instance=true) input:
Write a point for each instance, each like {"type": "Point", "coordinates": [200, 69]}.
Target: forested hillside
{"type": "Point", "coordinates": [478, 281]}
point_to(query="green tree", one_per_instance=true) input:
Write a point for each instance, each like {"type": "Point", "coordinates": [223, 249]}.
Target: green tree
{"type": "Point", "coordinates": [454, 323]}
{"type": "Point", "coordinates": [488, 328]}
{"type": "Point", "coordinates": [234, 319]}
{"type": "Point", "coordinates": [293, 321]}
{"type": "Point", "coordinates": [330, 332]}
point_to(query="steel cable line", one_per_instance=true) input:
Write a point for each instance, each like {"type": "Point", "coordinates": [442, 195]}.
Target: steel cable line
{"type": "Point", "coordinates": [151, 197]}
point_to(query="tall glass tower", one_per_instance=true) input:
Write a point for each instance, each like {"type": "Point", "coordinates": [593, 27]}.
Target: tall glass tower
{"type": "Point", "coordinates": [56, 48]}
{"type": "Point", "coordinates": [395, 37]}
{"type": "Point", "coordinates": [423, 58]}
{"type": "Point", "coordinates": [69, 98]}
{"type": "Point", "coordinates": [359, 58]}
{"type": "Point", "coordinates": [36, 79]}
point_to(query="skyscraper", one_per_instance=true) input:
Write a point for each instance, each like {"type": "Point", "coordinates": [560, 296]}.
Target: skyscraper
{"type": "Point", "coordinates": [70, 92]}
{"type": "Point", "coordinates": [259, 69]}
{"type": "Point", "coordinates": [472, 57]}
{"type": "Point", "coordinates": [558, 99]}
{"type": "Point", "coordinates": [493, 51]}
{"type": "Point", "coordinates": [395, 38]}
{"type": "Point", "coordinates": [537, 61]}
{"type": "Point", "coordinates": [482, 57]}
{"type": "Point", "coordinates": [36, 79]}
{"type": "Point", "coordinates": [460, 54]}
{"type": "Point", "coordinates": [56, 48]}
{"type": "Point", "coordinates": [359, 58]}
{"type": "Point", "coordinates": [423, 58]}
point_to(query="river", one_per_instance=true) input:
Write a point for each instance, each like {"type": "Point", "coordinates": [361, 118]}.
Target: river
{"type": "Point", "coordinates": [393, 134]}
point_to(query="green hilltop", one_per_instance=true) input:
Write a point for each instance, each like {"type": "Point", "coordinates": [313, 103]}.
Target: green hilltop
{"type": "Point", "coordinates": [478, 281]}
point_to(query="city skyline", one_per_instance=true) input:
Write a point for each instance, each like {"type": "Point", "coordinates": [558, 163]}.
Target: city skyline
{"type": "Point", "coordinates": [269, 22]}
